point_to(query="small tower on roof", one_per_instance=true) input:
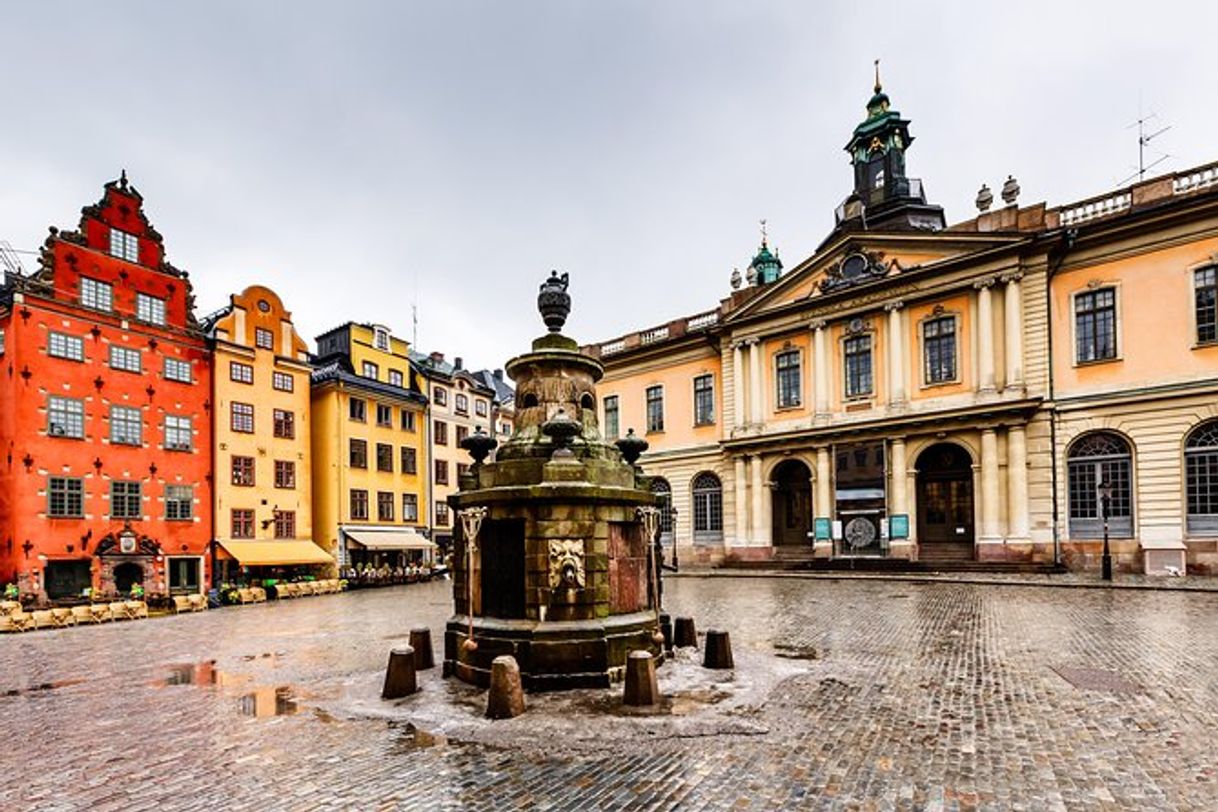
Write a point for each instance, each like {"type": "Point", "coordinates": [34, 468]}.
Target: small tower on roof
{"type": "Point", "coordinates": [884, 198]}
{"type": "Point", "coordinates": [766, 267]}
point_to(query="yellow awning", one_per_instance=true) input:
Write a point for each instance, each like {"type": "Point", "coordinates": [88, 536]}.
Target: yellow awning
{"type": "Point", "coordinates": [389, 540]}
{"type": "Point", "coordinates": [272, 553]}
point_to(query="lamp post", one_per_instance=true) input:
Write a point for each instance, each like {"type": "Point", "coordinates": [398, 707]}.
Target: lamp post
{"type": "Point", "coordinates": [1105, 489]}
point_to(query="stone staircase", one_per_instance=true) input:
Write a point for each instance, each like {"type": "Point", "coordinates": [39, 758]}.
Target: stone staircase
{"type": "Point", "coordinates": [948, 557]}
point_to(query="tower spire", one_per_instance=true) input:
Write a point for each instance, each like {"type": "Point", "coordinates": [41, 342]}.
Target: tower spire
{"type": "Point", "coordinates": [878, 86]}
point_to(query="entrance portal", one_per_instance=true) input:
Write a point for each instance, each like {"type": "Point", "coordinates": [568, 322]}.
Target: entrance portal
{"type": "Point", "coordinates": [945, 504]}
{"type": "Point", "coordinates": [792, 503]}
{"type": "Point", "coordinates": [127, 574]}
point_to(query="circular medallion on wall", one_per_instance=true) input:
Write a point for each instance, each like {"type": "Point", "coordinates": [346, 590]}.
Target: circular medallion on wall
{"type": "Point", "coordinates": [860, 533]}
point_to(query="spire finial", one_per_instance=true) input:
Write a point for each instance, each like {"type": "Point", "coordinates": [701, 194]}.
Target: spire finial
{"type": "Point", "coordinates": [122, 180]}
{"type": "Point", "coordinates": [878, 86]}
{"type": "Point", "coordinates": [764, 234]}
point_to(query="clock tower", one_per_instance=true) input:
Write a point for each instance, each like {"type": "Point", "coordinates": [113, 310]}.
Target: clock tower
{"type": "Point", "coordinates": [884, 198]}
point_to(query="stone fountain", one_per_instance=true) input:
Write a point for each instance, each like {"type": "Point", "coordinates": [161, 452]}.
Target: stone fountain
{"type": "Point", "coordinates": [553, 554]}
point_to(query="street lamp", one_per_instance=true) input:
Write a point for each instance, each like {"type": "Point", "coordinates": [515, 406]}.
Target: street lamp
{"type": "Point", "coordinates": [1105, 489]}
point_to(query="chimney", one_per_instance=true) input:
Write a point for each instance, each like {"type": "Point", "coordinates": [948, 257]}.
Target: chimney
{"type": "Point", "coordinates": [499, 374]}
{"type": "Point", "coordinates": [457, 363]}
{"type": "Point", "coordinates": [437, 357]}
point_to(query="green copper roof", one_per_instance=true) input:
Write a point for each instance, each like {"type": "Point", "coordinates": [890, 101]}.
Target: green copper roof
{"type": "Point", "coordinates": [767, 265]}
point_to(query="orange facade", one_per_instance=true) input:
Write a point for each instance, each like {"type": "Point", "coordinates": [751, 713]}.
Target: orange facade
{"type": "Point", "coordinates": [104, 414]}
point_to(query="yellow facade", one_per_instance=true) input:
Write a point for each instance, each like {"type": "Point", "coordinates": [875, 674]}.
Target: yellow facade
{"type": "Point", "coordinates": [369, 448]}
{"type": "Point", "coordinates": [263, 464]}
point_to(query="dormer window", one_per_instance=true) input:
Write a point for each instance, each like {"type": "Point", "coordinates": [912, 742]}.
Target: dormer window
{"type": "Point", "coordinates": [124, 246]}
{"type": "Point", "coordinates": [380, 338]}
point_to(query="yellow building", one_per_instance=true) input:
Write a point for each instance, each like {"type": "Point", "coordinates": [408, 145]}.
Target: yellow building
{"type": "Point", "coordinates": [941, 394]}
{"type": "Point", "coordinates": [262, 462]}
{"type": "Point", "coordinates": [370, 498]}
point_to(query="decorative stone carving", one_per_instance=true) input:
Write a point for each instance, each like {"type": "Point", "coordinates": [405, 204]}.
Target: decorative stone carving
{"type": "Point", "coordinates": [567, 564]}
{"type": "Point", "coordinates": [554, 302]}
{"type": "Point", "coordinates": [854, 269]}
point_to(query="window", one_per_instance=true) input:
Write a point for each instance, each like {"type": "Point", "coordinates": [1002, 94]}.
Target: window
{"type": "Point", "coordinates": [384, 415]}
{"type": "Point", "coordinates": [124, 246]}
{"type": "Point", "coordinates": [264, 339]}
{"type": "Point", "coordinates": [787, 377]}
{"type": "Point", "coordinates": [380, 338]}
{"type": "Point", "coordinates": [243, 471]}
{"type": "Point", "coordinates": [1092, 460]}
{"type": "Point", "coordinates": [358, 453]}
{"type": "Point", "coordinates": [124, 358]}
{"type": "Point", "coordinates": [611, 417]}
{"type": "Point", "coordinates": [1201, 479]}
{"type": "Point", "coordinates": [704, 400]}
{"type": "Point", "coordinates": [410, 507]}
{"type": "Point", "coordinates": [178, 433]}
{"type": "Point", "coordinates": [410, 460]}
{"type": "Point", "coordinates": [858, 366]}
{"type": "Point", "coordinates": [359, 505]}
{"type": "Point", "coordinates": [384, 457]}
{"type": "Point", "coordinates": [239, 372]}
{"type": "Point", "coordinates": [285, 474]}
{"type": "Point", "coordinates": [395, 378]}
{"type": "Point", "coordinates": [66, 497]}
{"type": "Point", "coordinates": [384, 506]}
{"type": "Point", "coordinates": [462, 470]}
{"type": "Point", "coordinates": [177, 370]}
{"type": "Point", "coordinates": [97, 295]}
{"type": "Point", "coordinates": [242, 417]}
{"type": "Point", "coordinates": [506, 428]}
{"type": "Point", "coordinates": [1095, 325]}
{"type": "Point", "coordinates": [125, 502]}
{"type": "Point", "coordinates": [462, 404]}
{"type": "Point", "coordinates": [663, 492]}
{"type": "Point", "coordinates": [440, 396]}
{"type": "Point", "coordinates": [442, 514]}
{"type": "Point", "coordinates": [480, 407]}
{"type": "Point", "coordinates": [441, 472]}
{"type": "Point", "coordinates": [655, 408]}
{"type": "Point", "coordinates": [283, 381]}
{"type": "Point", "coordinates": [462, 433]}
{"type": "Point", "coordinates": [1205, 297]}
{"type": "Point", "coordinates": [939, 349]}
{"type": "Point", "coordinates": [357, 410]}
{"type": "Point", "coordinates": [149, 309]}
{"type": "Point", "coordinates": [285, 424]}
{"type": "Point", "coordinates": [285, 524]}
{"type": "Point", "coordinates": [441, 432]}
{"type": "Point", "coordinates": [65, 346]}
{"type": "Point", "coordinates": [183, 574]}
{"type": "Point", "coordinates": [370, 370]}
{"type": "Point", "coordinates": [243, 523]}
{"type": "Point", "coordinates": [179, 502]}
{"type": "Point", "coordinates": [708, 507]}
{"type": "Point", "coordinates": [407, 420]}
{"type": "Point", "coordinates": [126, 425]}
{"type": "Point", "coordinates": [65, 417]}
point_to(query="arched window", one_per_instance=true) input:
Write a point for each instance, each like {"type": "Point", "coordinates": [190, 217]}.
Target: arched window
{"type": "Point", "coordinates": [1095, 459]}
{"type": "Point", "coordinates": [663, 490]}
{"type": "Point", "coordinates": [708, 507]}
{"type": "Point", "coordinates": [1201, 479]}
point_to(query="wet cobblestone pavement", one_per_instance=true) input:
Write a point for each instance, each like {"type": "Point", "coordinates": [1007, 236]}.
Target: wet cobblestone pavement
{"type": "Point", "coordinates": [880, 695]}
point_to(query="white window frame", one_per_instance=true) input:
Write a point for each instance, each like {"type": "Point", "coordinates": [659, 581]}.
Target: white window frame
{"type": "Point", "coordinates": [96, 290]}
{"type": "Point", "coordinates": [126, 359]}
{"type": "Point", "coordinates": [149, 309]}
{"type": "Point", "coordinates": [184, 373]}
{"type": "Point", "coordinates": [71, 417]}
{"type": "Point", "coordinates": [179, 496]}
{"type": "Point", "coordinates": [65, 346]}
{"type": "Point", "coordinates": [277, 378]}
{"type": "Point", "coordinates": [380, 338]}
{"type": "Point", "coordinates": [240, 372]}
{"type": "Point", "coordinates": [396, 378]}
{"type": "Point", "coordinates": [124, 245]}
{"type": "Point", "coordinates": [370, 369]}
{"type": "Point", "coordinates": [178, 427]}
{"type": "Point", "coordinates": [123, 416]}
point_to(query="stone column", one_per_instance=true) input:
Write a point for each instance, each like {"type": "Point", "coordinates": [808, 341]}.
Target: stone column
{"type": "Point", "coordinates": [1013, 318]}
{"type": "Point", "coordinates": [989, 486]}
{"type": "Point", "coordinates": [738, 384]}
{"type": "Point", "coordinates": [900, 501]}
{"type": "Point", "coordinates": [896, 345]}
{"type": "Point", "coordinates": [742, 506]}
{"type": "Point", "coordinates": [985, 334]}
{"type": "Point", "coordinates": [1017, 483]}
{"type": "Point", "coordinates": [755, 388]}
{"type": "Point", "coordinates": [823, 508]}
{"type": "Point", "coordinates": [820, 372]}
{"type": "Point", "coordinates": [756, 536]}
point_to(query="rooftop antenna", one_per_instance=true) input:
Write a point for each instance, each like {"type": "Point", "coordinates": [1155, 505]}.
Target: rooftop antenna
{"type": "Point", "coordinates": [1144, 139]}
{"type": "Point", "coordinates": [9, 262]}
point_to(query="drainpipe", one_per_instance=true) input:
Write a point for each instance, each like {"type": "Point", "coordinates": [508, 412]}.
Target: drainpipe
{"type": "Point", "coordinates": [1068, 238]}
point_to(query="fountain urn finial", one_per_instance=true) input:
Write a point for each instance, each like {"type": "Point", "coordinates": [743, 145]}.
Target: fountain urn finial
{"type": "Point", "coordinates": [479, 445]}
{"type": "Point", "coordinates": [554, 302]}
{"type": "Point", "coordinates": [561, 428]}
{"type": "Point", "coordinates": [631, 446]}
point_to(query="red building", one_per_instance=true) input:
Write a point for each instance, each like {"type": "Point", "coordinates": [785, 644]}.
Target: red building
{"type": "Point", "coordinates": [105, 430]}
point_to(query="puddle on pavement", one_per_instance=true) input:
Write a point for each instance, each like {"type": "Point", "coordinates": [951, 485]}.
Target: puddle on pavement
{"type": "Point", "coordinates": [43, 686]}
{"type": "Point", "coordinates": [791, 652]}
{"type": "Point", "coordinates": [415, 738]}
{"type": "Point", "coordinates": [259, 701]}
{"type": "Point", "coordinates": [204, 674]}
{"type": "Point", "coordinates": [266, 700]}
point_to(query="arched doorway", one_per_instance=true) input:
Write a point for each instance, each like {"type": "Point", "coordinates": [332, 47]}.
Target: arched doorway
{"type": "Point", "coordinates": [127, 574]}
{"type": "Point", "coordinates": [792, 503]}
{"type": "Point", "coordinates": [663, 492]}
{"type": "Point", "coordinates": [945, 503]}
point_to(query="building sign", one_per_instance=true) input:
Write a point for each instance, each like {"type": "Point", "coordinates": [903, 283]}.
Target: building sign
{"type": "Point", "coordinates": [898, 526]}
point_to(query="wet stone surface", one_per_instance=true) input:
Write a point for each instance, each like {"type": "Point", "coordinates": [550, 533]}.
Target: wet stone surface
{"type": "Point", "coordinates": [846, 694]}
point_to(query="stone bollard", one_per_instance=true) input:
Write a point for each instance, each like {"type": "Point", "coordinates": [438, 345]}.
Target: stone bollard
{"type": "Point", "coordinates": [642, 688]}
{"type": "Point", "coordinates": [666, 630]}
{"type": "Point", "coordinates": [400, 678]}
{"type": "Point", "coordinates": [506, 697]}
{"type": "Point", "coordinates": [684, 633]}
{"type": "Point", "coordinates": [420, 641]}
{"type": "Point", "coordinates": [718, 650]}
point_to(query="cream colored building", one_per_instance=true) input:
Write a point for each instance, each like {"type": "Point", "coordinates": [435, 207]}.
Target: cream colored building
{"type": "Point", "coordinates": [939, 393]}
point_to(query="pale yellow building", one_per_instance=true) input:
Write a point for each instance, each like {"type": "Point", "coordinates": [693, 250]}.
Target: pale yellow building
{"type": "Point", "coordinates": [262, 462]}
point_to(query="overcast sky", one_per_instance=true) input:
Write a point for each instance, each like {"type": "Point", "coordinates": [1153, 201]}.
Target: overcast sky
{"type": "Point", "coordinates": [359, 157]}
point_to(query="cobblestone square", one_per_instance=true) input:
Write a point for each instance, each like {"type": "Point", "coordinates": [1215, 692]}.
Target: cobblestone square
{"type": "Point", "coordinates": [884, 695]}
